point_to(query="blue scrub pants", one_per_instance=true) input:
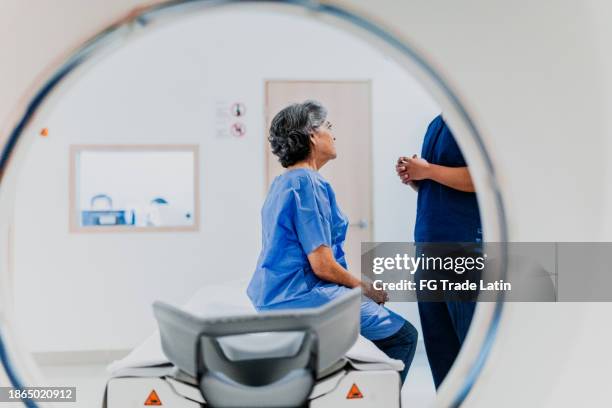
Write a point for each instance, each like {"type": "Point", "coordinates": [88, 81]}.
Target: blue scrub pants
{"type": "Point", "coordinates": [444, 325]}
{"type": "Point", "coordinates": [400, 346]}
{"type": "Point", "coordinates": [445, 315]}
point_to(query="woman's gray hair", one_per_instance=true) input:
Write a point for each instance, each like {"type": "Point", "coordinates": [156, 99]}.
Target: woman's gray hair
{"type": "Point", "coordinates": [291, 129]}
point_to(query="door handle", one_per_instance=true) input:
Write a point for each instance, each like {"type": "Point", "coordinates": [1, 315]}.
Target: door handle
{"type": "Point", "coordinates": [361, 224]}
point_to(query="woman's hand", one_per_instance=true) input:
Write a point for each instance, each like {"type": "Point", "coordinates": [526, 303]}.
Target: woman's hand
{"type": "Point", "coordinates": [325, 266]}
{"type": "Point", "coordinates": [378, 296]}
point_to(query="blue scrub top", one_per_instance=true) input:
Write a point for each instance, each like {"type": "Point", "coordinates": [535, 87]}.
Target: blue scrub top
{"type": "Point", "coordinates": [443, 213]}
{"type": "Point", "coordinates": [299, 215]}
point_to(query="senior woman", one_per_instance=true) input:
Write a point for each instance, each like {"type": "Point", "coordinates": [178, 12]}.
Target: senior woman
{"type": "Point", "coordinates": [302, 261]}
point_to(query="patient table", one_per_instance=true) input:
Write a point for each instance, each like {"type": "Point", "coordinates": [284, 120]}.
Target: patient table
{"type": "Point", "coordinates": [294, 358]}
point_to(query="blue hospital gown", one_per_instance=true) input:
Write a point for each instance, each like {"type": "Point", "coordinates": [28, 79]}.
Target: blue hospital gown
{"type": "Point", "coordinates": [299, 215]}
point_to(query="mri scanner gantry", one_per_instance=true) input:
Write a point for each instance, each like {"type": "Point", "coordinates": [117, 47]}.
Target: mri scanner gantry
{"type": "Point", "coordinates": [460, 82]}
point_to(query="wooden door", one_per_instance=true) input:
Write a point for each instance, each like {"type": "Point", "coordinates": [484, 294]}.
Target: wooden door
{"type": "Point", "coordinates": [349, 110]}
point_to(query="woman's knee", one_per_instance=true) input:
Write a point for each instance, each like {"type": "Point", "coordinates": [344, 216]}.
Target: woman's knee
{"type": "Point", "coordinates": [410, 335]}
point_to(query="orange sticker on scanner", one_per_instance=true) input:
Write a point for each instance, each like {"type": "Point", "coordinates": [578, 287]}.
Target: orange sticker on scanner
{"type": "Point", "coordinates": [354, 393]}
{"type": "Point", "coordinates": [153, 400]}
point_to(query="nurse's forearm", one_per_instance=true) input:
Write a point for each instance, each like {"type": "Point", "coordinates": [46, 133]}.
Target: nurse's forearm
{"type": "Point", "coordinates": [458, 178]}
{"type": "Point", "coordinates": [324, 265]}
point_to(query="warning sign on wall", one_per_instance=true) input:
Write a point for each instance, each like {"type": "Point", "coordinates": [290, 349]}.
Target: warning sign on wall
{"type": "Point", "coordinates": [238, 129]}
{"type": "Point", "coordinates": [238, 109]}
{"type": "Point", "coordinates": [229, 119]}
{"type": "Point", "coordinates": [153, 400]}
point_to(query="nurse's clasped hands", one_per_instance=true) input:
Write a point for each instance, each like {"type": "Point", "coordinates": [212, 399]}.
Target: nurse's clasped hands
{"type": "Point", "coordinates": [411, 169]}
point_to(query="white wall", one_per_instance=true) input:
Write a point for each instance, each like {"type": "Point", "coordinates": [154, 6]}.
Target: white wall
{"type": "Point", "coordinates": [93, 291]}
{"type": "Point", "coordinates": [600, 12]}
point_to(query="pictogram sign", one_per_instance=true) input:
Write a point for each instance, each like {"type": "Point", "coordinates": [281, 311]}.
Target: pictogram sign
{"type": "Point", "coordinates": [153, 400]}
{"type": "Point", "coordinates": [354, 392]}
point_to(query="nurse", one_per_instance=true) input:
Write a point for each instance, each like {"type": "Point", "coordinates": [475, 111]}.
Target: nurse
{"type": "Point", "coordinates": [447, 217]}
{"type": "Point", "coordinates": [302, 262]}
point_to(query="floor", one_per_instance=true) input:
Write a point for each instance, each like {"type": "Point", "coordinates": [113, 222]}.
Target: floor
{"type": "Point", "coordinates": [90, 380]}
{"type": "Point", "coordinates": [418, 390]}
